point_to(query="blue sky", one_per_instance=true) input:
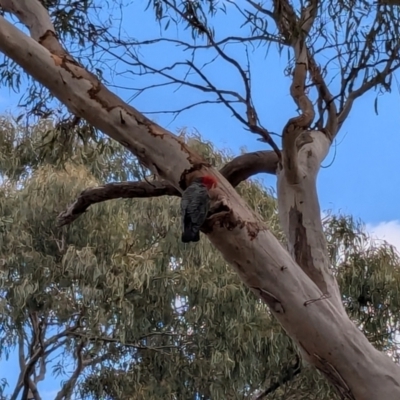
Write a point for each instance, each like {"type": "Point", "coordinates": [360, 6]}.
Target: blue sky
{"type": "Point", "coordinates": [361, 173]}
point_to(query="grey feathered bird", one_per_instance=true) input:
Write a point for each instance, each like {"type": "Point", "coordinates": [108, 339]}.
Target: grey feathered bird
{"type": "Point", "coordinates": [195, 205]}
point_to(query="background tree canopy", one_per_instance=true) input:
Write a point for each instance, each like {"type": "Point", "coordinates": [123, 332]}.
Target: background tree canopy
{"type": "Point", "coordinates": [128, 312]}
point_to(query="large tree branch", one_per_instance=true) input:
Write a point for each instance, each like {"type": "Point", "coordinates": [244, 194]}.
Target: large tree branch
{"type": "Point", "coordinates": [249, 164]}
{"type": "Point", "coordinates": [115, 190]}
{"type": "Point", "coordinates": [295, 30]}
{"type": "Point", "coordinates": [321, 328]}
{"type": "Point", "coordinates": [235, 171]}
{"type": "Point", "coordinates": [303, 152]}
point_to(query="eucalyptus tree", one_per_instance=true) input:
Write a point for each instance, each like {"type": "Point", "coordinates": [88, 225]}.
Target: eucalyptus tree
{"type": "Point", "coordinates": [296, 280]}
{"type": "Point", "coordinates": [129, 312]}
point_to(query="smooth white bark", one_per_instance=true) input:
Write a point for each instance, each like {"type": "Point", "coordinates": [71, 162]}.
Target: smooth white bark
{"type": "Point", "coordinates": [300, 214]}
{"type": "Point", "coordinates": [321, 328]}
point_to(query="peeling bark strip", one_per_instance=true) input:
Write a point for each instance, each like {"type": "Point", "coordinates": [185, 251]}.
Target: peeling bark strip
{"type": "Point", "coordinates": [300, 216]}
{"type": "Point", "coordinates": [324, 329]}
{"type": "Point", "coordinates": [302, 248]}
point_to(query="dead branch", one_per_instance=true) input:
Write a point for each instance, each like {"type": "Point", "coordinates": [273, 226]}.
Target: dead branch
{"type": "Point", "coordinates": [362, 63]}
{"type": "Point", "coordinates": [228, 98]}
{"type": "Point", "coordinates": [331, 126]}
{"type": "Point", "coordinates": [379, 78]}
{"type": "Point", "coordinates": [107, 339]}
{"type": "Point", "coordinates": [236, 171]}
{"type": "Point", "coordinates": [190, 46]}
{"type": "Point", "coordinates": [251, 120]}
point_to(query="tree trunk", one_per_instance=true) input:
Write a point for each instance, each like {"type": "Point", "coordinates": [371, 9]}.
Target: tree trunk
{"type": "Point", "coordinates": [303, 296]}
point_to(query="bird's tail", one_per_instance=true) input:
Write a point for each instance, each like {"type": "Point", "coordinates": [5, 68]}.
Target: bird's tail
{"type": "Point", "coordinates": [188, 235]}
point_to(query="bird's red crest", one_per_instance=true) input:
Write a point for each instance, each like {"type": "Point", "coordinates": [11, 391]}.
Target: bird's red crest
{"type": "Point", "coordinates": [209, 181]}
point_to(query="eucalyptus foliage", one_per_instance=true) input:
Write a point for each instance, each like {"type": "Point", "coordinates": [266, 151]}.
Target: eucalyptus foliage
{"type": "Point", "coordinates": [124, 310]}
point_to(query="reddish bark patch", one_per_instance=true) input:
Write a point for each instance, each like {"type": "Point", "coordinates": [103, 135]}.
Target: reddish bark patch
{"type": "Point", "coordinates": [227, 220]}
{"type": "Point", "coordinates": [302, 250]}
{"type": "Point", "coordinates": [253, 228]}
{"type": "Point", "coordinates": [298, 237]}
{"type": "Point", "coordinates": [222, 217]}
